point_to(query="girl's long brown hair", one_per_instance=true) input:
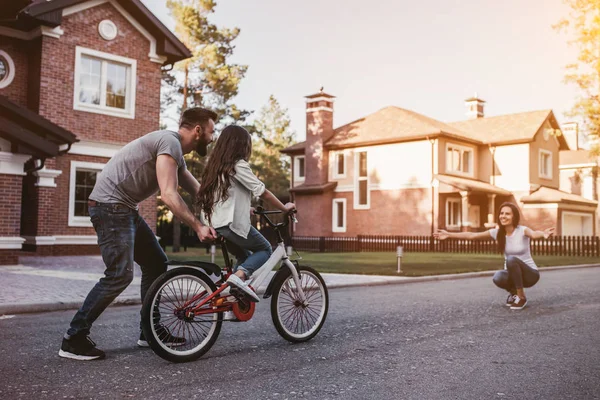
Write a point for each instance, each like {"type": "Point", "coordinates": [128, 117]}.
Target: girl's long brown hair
{"type": "Point", "coordinates": [501, 237]}
{"type": "Point", "coordinates": [233, 144]}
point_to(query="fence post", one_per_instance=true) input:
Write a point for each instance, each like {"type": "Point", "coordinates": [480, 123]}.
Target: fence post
{"type": "Point", "coordinates": [358, 243]}
{"type": "Point", "coordinates": [321, 244]}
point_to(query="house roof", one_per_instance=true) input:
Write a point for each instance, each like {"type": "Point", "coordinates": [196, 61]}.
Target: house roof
{"type": "Point", "coordinates": [548, 195]}
{"type": "Point", "coordinates": [27, 14]}
{"type": "Point", "coordinates": [509, 128]}
{"type": "Point", "coordinates": [312, 189]}
{"type": "Point", "coordinates": [577, 157]}
{"type": "Point", "coordinates": [31, 133]}
{"type": "Point", "coordinates": [388, 125]}
{"type": "Point", "coordinates": [393, 124]}
{"type": "Point", "coordinates": [471, 185]}
{"type": "Point", "coordinates": [295, 148]}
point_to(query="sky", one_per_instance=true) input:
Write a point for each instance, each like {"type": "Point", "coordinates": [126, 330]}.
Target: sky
{"type": "Point", "coordinates": [426, 56]}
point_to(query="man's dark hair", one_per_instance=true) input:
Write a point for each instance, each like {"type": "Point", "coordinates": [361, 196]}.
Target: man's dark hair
{"type": "Point", "coordinates": [196, 116]}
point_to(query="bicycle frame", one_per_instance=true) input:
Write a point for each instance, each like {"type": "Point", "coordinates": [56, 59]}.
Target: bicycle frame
{"type": "Point", "coordinates": [258, 278]}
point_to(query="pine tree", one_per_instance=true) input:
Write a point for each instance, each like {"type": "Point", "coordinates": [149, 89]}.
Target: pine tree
{"type": "Point", "coordinates": [272, 134]}
{"type": "Point", "coordinates": [584, 24]}
{"type": "Point", "coordinates": [207, 79]}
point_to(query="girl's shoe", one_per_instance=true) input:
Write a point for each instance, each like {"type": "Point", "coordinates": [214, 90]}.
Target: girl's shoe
{"type": "Point", "coordinates": [518, 304]}
{"type": "Point", "coordinates": [510, 299]}
{"type": "Point", "coordinates": [235, 281]}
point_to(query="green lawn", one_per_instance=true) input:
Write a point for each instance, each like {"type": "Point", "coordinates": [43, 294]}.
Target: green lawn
{"type": "Point", "coordinates": [413, 264]}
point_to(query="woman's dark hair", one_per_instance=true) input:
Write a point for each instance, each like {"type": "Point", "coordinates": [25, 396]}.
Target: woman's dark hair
{"type": "Point", "coordinates": [234, 144]}
{"type": "Point", "coordinates": [501, 238]}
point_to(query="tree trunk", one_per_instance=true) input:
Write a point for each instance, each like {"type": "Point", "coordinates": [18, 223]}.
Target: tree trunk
{"type": "Point", "coordinates": [176, 222]}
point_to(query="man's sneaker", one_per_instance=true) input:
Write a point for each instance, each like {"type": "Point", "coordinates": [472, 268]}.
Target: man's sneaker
{"type": "Point", "coordinates": [80, 348]}
{"type": "Point", "coordinates": [510, 299]}
{"type": "Point", "coordinates": [235, 281]}
{"type": "Point", "coordinates": [518, 304]}
{"type": "Point", "coordinates": [165, 335]}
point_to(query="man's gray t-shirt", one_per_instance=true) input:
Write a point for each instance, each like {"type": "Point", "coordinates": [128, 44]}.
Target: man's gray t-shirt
{"type": "Point", "coordinates": [130, 176]}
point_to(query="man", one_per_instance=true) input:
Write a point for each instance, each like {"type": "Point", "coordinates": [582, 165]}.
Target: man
{"type": "Point", "coordinates": [151, 162]}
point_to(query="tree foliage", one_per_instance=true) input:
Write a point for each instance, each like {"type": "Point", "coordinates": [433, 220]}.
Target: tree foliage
{"type": "Point", "coordinates": [583, 23]}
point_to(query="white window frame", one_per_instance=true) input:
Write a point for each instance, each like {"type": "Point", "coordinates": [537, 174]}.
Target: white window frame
{"type": "Point", "coordinates": [543, 152]}
{"type": "Point", "coordinates": [357, 179]}
{"type": "Point", "coordinates": [79, 165]}
{"type": "Point", "coordinates": [462, 150]}
{"type": "Point", "coordinates": [334, 215]}
{"type": "Point", "coordinates": [297, 177]}
{"type": "Point", "coordinates": [11, 70]}
{"type": "Point", "coordinates": [448, 219]}
{"type": "Point", "coordinates": [336, 172]}
{"type": "Point", "coordinates": [129, 111]}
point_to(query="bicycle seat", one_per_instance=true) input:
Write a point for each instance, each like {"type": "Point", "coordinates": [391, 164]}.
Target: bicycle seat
{"type": "Point", "coordinates": [210, 268]}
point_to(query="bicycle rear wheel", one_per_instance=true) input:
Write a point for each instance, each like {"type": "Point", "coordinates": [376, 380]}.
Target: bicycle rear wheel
{"type": "Point", "coordinates": [295, 320]}
{"type": "Point", "coordinates": [164, 313]}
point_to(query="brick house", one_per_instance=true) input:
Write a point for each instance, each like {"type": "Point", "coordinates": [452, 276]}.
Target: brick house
{"type": "Point", "coordinates": [78, 80]}
{"type": "Point", "coordinates": [399, 172]}
{"type": "Point", "coordinates": [580, 175]}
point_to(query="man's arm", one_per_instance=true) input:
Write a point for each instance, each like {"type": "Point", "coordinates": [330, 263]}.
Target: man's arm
{"type": "Point", "coordinates": [189, 183]}
{"type": "Point", "coordinates": [166, 174]}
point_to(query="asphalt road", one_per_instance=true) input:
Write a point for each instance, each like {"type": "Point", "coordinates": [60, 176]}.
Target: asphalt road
{"type": "Point", "coordinates": [434, 340]}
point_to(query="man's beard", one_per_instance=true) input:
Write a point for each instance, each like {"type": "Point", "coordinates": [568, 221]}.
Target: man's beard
{"type": "Point", "coordinates": [202, 149]}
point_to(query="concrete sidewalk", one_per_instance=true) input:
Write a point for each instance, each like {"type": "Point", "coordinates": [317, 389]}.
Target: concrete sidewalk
{"type": "Point", "coordinates": [42, 284]}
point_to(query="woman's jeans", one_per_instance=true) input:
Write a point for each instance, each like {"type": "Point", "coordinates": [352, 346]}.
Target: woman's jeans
{"type": "Point", "coordinates": [251, 253]}
{"type": "Point", "coordinates": [123, 237]}
{"type": "Point", "coordinates": [517, 275]}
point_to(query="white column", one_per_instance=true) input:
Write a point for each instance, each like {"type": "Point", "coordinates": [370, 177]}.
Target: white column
{"type": "Point", "coordinates": [464, 209]}
{"type": "Point", "coordinates": [491, 210]}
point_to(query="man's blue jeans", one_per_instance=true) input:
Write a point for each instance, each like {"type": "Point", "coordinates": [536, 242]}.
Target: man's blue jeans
{"type": "Point", "coordinates": [123, 237]}
{"type": "Point", "coordinates": [251, 253]}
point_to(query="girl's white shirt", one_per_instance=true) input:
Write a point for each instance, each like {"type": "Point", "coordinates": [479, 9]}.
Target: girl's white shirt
{"type": "Point", "coordinates": [235, 211]}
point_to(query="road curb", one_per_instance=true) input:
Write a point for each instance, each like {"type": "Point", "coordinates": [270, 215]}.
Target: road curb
{"type": "Point", "coordinates": [26, 308]}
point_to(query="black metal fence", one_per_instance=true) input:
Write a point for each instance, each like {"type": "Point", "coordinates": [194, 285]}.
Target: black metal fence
{"type": "Point", "coordinates": [585, 246]}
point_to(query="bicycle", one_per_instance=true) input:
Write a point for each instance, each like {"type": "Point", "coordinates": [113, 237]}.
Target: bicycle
{"type": "Point", "coordinates": [189, 304]}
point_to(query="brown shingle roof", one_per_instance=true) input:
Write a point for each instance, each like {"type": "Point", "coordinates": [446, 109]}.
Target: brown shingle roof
{"type": "Point", "coordinates": [388, 125]}
{"type": "Point", "coordinates": [471, 185]}
{"type": "Point", "coordinates": [576, 157]}
{"type": "Point", "coordinates": [548, 195]}
{"type": "Point", "coordinates": [504, 128]}
{"type": "Point", "coordinates": [295, 148]}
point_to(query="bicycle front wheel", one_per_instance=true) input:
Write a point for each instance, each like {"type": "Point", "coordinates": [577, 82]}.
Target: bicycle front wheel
{"type": "Point", "coordinates": [294, 319]}
{"type": "Point", "coordinates": [171, 330]}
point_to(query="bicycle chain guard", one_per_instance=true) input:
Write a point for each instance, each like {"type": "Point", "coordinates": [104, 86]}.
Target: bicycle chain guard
{"type": "Point", "coordinates": [243, 310]}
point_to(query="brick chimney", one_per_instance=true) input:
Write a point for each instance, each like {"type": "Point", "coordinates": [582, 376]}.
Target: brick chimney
{"type": "Point", "coordinates": [319, 128]}
{"type": "Point", "coordinates": [571, 132]}
{"type": "Point", "coordinates": [474, 107]}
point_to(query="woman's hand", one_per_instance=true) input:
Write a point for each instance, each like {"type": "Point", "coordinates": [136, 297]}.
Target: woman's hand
{"type": "Point", "coordinates": [289, 207]}
{"type": "Point", "coordinates": [548, 232]}
{"type": "Point", "coordinates": [441, 234]}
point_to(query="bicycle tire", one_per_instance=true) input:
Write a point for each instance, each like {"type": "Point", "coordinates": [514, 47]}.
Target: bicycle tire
{"type": "Point", "coordinates": [171, 286]}
{"type": "Point", "coordinates": [284, 306]}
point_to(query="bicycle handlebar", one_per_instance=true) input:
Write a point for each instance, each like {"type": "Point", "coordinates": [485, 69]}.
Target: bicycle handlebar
{"type": "Point", "coordinates": [289, 215]}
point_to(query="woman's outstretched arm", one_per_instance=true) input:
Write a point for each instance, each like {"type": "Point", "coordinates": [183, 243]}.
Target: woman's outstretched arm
{"type": "Point", "coordinates": [443, 235]}
{"type": "Point", "coordinates": [546, 233]}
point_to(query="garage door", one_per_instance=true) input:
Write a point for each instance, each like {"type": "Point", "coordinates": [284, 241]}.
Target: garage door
{"type": "Point", "coordinates": [577, 224]}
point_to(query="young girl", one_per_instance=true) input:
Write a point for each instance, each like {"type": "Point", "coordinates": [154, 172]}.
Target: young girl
{"type": "Point", "coordinates": [228, 186]}
{"type": "Point", "coordinates": [520, 271]}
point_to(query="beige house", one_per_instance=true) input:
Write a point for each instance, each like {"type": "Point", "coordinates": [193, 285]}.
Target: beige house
{"type": "Point", "coordinates": [399, 172]}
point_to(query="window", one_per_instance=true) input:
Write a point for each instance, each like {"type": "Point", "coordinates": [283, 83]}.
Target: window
{"type": "Point", "coordinates": [361, 188]}
{"type": "Point", "coordinates": [545, 164]}
{"type": "Point", "coordinates": [339, 215]}
{"type": "Point", "coordinates": [299, 168]}
{"type": "Point", "coordinates": [453, 216]}
{"type": "Point", "coordinates": [83, 179]}
{"type": "Point", "coordinates": [104, 83]}
{"type": "Point", "coordinates": [339, 165]}
{"type": "Point", "coordinates": [459, 159]}
{"type": "Point", "coordinates": [7, 69]}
